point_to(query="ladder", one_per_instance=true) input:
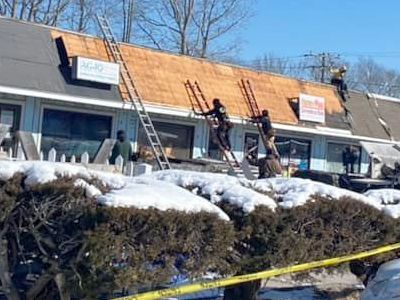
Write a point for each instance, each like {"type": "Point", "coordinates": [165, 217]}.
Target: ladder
{"type": "Point", "coordinates": [134, 96]}
{"type": "Point", "coordinates": [199, 103]}
{"type": "Point", "coordinates": [248, 94]}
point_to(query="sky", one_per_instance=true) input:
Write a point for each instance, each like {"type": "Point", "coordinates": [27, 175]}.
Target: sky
{"type": "Point", "coordinates": [352, 28]}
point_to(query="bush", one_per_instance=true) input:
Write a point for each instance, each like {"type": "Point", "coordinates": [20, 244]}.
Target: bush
{"type": "Point", "coordinates": [317, 230]}
{"type": "Point", "coordinates": [53, 238]}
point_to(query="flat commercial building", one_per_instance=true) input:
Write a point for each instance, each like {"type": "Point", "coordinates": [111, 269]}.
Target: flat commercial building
{"type": "Point", "coordinates": [42, 91]}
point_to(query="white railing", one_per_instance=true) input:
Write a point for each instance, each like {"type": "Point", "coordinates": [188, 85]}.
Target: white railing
{"type": "Point", "coordinates": [128, 169]}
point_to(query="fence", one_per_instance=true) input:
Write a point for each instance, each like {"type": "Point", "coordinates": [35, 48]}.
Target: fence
{"type": "Point", "coordinates": [128, 169]}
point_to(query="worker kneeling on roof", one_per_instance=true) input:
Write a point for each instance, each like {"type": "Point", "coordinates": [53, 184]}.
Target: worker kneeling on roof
{"type": "Point", "coordinates": [224, 124]}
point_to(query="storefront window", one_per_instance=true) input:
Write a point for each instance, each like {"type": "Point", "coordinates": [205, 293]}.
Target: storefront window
{"type": "Point", "coordinates": [73, 133]}
{"type": "Point", "coordinates": [213, 148]}
{"type": "Point", "coordinates": [251, 147]}
{"type": "Point", "coordinates": [294, 152]}
{"type": "Point", "coordinates": [336, 153]}
{"type": "Point", "coordinates": [10, 116]}
{"type": "Point", "coordinates": [176, 139]}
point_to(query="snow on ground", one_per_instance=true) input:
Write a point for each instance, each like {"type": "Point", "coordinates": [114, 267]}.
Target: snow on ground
{"type": "Point", "coordinates": [218, 187]}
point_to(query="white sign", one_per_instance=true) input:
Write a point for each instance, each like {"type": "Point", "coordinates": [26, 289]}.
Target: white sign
{"type": "Point", "coordinates": [95, 70]}
{"type": "Point", "coordinates": [312, 108]}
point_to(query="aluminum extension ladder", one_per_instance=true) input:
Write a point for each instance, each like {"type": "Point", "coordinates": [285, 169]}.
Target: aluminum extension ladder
{"type": "Point", "coordinates": [248, 94]}
{"type": "Point", "coordinates": [134, 96]}
{"type": "Point", "coordinates": [199, 103]}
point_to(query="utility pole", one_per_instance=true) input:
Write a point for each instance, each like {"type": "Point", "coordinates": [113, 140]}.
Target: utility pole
{"type": "Point", "coordinates": [325, 60]}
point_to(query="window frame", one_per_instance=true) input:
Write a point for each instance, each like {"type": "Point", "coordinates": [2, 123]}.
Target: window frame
{"type": "Point", "coordinates": [341, 142]}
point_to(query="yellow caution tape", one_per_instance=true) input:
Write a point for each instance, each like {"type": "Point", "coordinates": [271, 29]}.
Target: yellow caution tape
{"type": "Point", "coordinates": [197, 287]}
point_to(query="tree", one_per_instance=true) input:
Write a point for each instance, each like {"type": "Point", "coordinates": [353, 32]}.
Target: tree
{"type": "Point", "coordinates": [47, 12]}
{"type": "Point", "coordinates": [191, 27]}
{"type": "Point", "coordinates": [369, 76]}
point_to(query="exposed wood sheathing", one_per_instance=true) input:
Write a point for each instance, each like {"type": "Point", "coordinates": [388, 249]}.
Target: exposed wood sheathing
{"type": "Point", "coordinates": [160, 79]}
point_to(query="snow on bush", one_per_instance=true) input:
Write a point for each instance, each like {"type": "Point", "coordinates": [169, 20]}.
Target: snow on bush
{"type": "Point", "coordinates": [217, 187]}
{"type": "Point", "coordinates": [167, 189]}
{"type": "Point", "coordinates": [124, 191]}
{"type": "Point", "coordinates": [145, 193]}
{"type": "Point", "coordinates": [389, 198]}
{"type": "Point", "coordinates": [291, 192]}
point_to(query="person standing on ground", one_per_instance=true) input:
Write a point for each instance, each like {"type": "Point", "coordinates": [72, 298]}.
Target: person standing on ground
{"type": "Point", "coordinates": [122, 147]}
{"type": "Point", "coordinates": [269, 166]}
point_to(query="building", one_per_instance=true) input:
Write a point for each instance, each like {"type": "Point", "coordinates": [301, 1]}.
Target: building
{"type": "Point", "coordinates": [38, 93]}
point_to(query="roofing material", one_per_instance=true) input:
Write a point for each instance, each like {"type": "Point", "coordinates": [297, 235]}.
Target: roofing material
{"type": "Point", "coordinates": [160, 78]}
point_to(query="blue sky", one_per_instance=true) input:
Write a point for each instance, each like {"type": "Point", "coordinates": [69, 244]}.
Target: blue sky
{"type": "Point", "coordinates": [353, 27]}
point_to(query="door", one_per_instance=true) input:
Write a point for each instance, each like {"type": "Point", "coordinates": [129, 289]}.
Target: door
{"type": "Point", "coordinates": [10, 116]}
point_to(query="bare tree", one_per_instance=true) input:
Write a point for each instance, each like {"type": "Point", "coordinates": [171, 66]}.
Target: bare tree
{"type": "Point", "coordinates": [128, 12]}
{"type": "Point", "coordinates": [190, 27]}
{"type": "Point", "coordinates": [369, 76]}
{"type": "Point", "coordinates": [47, 12]}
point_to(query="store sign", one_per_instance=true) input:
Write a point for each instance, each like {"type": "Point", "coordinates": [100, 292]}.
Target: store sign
{"type": "Point", "coordinates": [95, 70]}
{"type": "Point", "coordinates": [312, 108]}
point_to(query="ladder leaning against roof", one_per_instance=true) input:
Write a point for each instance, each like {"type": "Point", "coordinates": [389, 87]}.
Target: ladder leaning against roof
{"type": "Point", "coordinates": [134, 96]}
{"type": "Point", "coordinates": [199, 103]}
{"type": "Point", "coordinates": [249, 96]}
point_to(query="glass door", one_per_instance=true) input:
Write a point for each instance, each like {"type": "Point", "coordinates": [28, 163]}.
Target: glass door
{"type": "Point", "coordinates": [10, 117]}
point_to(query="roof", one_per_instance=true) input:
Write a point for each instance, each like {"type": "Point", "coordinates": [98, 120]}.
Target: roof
{"type": "Point", "coordinates": [365, 117]}
{"type": "Point", "coordinates": [389, 111]}
{"type": "Point", "coordinates": [31, 59]}
{"type": "Point", "coordinates": [160, 78]}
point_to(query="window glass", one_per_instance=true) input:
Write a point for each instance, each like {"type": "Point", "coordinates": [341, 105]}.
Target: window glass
{"type": "Point", "coordinates": [10, 116]}
{"type": "Point", "coordinates": [73, 133]}
{"type": "Point", "coordinates": [294, 152]}
{"type": "Point", "coordinates": [336, 155]}
{"type": "Point", "coordinates": [176, 139]}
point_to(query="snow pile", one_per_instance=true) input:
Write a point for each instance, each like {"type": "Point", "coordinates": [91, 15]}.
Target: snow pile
{"type": "Point", "coordinates": [389, 198]}
{"type": "Point", "coordinates": [125, 191]}
{"type": "Point", "coordinates": [292, 192]}
{"type": "Point", "coordinates": [145, 193]}
{"type": "Point", "coordinates": [90, 190]}
{"type": "Point", "coordinates": [217, 187]}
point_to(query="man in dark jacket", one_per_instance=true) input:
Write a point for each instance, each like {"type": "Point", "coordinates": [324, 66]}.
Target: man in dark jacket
{"type": "Point", "coordinates": [224, 124]}
{"type": "Point", "coordinates": [122, 147]}
{"type": "Point", "coordinates": [265, 122]}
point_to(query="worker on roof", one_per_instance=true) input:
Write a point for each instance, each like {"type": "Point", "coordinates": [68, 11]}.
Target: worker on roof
{"type": "Point", "coordinates": [338, 80]}
{"type": "Point", "coordinates": [224, 124]}
{"type": "Point", "coordinates": [265, 122]}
